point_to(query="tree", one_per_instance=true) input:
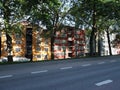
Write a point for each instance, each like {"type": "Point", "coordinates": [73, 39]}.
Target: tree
{"type": "Point", "coordinates": [10, 11]}
{"type": "Point", "coordinates": [86, 15]}
{"type": "Point", "coordinates": [49, 14]}
{"type": "Point", "coordinates": [95, 15]}
{"type": "Point", "coordinates": [110, 18]}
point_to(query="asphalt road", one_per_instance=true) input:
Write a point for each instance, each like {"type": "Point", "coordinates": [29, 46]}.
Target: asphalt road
{"type": "Point", "coordinates": [101, 73]}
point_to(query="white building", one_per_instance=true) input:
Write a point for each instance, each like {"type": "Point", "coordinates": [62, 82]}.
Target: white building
{"type": "Point", "coordinates": [105, 46]}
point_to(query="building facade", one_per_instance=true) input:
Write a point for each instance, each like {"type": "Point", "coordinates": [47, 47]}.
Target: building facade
{"type": "Point", "coordinates": [32, 44]}
{"type": "Point", "coordinates": [27, 44]}
{"type": "Point", "coordinates": [69, 43]}
{"type": "Point", "coordinates": [105, 47]}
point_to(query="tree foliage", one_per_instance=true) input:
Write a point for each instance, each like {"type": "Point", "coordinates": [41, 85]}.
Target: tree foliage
{"type": "Point", "coordinates": [95, 15]}
{"type": "Point", "coordinates": [11, 15]}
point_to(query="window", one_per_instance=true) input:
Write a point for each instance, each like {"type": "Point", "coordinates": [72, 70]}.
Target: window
{"type": "Point", "coordinates": [63, 35]}
{"type": "Point", "coordinates": [81, 48]}
{"type": "Point", "coordinates": [38, 48]}
{"type": "Point", "coordinates": [81, 36]}
{"type": "Point", "coordinates": [38, 41]}
{"type": "Point", "coordinates": [76, 36]}
{"type": "Point", "coordinates": [18, 42]}
{"type": "Point", "coordinates": [56, 48]}
{"type": "Point", "coordinates": [18, 36]}
{"type": "Point", "coordinates": [43, 55]}
{"type": "Point", "coordinates": [38, 56]}
{"type": "Point", "coordinates": [57, 41]}
{"type": "Point", "coordinates": [46, 49]}
{"type": "Point", "coordinates": [63, 41]}
{"type": "Point", "coordinates": [17, 49]}
{"type": "Point", "coordinates": [46, 42]}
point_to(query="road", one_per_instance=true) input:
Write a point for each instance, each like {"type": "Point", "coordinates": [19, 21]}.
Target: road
{"type": "Point", "coordinates": [101, 73]}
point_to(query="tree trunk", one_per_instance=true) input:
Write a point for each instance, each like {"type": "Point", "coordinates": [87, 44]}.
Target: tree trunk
{"type": "Point", "coordinates": [9, 47]}
{"type": "Point", "coordinates": [52, 47]}
{"type": "Point", "coordinates": [7, 13]}
{"type": "Point", "coordinates": [99, 45]}
{"type": "Point", "coordinates": [94, 30]}
{"type": "Point", "coordinates": [0, 46]}
{"type": "Point", "coordinates": [109, 44]}
{"type": "Point", "coordinates": [92, 43]}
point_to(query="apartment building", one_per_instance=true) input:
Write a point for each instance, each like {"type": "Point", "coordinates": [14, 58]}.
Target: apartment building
{"type": "Point", "coordinates": [69, 43]}
{"type": "Point", "coordinates": [32, 44]}
{"type": "Point", "coordinates": [29, 44]}
{"type": "Point", "coordinates": [105, 47]}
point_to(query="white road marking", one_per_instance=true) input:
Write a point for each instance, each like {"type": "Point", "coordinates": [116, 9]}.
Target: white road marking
{"type": "Point", "coordinates": [103, 82]}
{"type": "Point", "coordinates": [42, 71]}
{"type": "Point", "coordinates": [66, 68]}
{"type": "Point", "coordinates": [101, 62]}
{"type": "Point", "coordinates": [113, 61]}
{"type": "Point", "coordinates": [6, 76]}
{"type": "Point", "coordinates": [84, 65]}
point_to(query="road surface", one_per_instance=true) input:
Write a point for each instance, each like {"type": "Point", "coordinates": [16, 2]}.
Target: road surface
{"type": "Point", "coordinates": [101, 73]}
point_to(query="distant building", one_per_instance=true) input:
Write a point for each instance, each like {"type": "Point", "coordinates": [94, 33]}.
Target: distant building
{"type": "Point", "coordinates": [105, 47]}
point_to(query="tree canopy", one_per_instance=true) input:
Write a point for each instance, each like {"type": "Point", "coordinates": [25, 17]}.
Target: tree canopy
{"type": "Point", "coordinates": [94, 15]}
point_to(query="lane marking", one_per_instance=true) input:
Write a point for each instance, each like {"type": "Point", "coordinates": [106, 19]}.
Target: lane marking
{"type": "Point", "coordinates": [113, 61]}
{"type": "Point", "coordinates": [42, 71]}
{"type": "Point", "coordinates": [84, 65]}
{"type": "Point", "coordinates": [103, 82]}
{"type": "Point", "coordinates": [66, 68]}
{"type": "Point", "coordinates": [6, 76]}
{"type": "Point", "coordinates": [101, 62]}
